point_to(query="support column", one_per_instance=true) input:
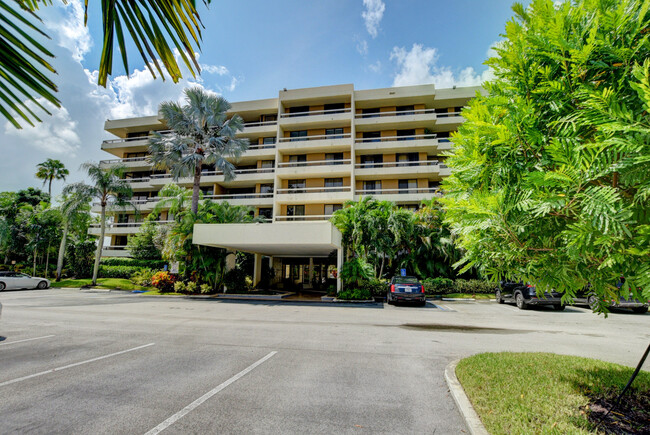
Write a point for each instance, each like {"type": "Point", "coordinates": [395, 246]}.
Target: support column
{"type": "Point", "coordinates": [231, 263]}
{"type": "Point", "coordinates": [339, 265]}
{"type": "Point", "coordinates": [257, 270]}
{"type": "Point", "coordinates": [311, 270]}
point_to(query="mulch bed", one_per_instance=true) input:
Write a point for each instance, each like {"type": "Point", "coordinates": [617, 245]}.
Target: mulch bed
{"type": "Point", "coordinates": [631, 416]}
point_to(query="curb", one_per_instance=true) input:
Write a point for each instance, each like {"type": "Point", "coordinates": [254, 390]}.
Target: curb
{"type": "Point", "coordinates": [472, 420]}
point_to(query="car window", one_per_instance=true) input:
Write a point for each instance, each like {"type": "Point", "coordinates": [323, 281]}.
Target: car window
{"type": "Point", "coordinates": [22, 275]}
{"type": "Point", "coordinates": [405, 280]}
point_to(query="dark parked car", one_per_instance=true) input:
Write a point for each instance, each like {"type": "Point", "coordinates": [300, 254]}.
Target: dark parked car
{"type": "Point", "coordinates": [525, 295]}
{"type": "Point", "coordinates": [406, 289]}
{"type": "Point", "coordinates": [587, 297]}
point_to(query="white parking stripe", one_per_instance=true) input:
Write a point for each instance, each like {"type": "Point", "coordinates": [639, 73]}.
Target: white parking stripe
{"type": "Point", "coordinates": [444, 307]}
{"type": "Point", "coordinates": [180, 414]}
{"type": "Point", "coordinates": [27, 339]}
{"type": "Point", "coordinates": [24, 378]}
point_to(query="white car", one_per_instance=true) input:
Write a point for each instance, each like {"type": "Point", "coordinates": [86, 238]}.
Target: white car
{"type": "Point", "coordinates": [17, 280]}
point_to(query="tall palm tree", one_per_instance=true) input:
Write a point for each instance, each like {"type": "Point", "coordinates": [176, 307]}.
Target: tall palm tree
{"type": "Point", "coordinates": [202, 134]}
{"type": "Point", "coordinates": [51, 170]}
{"type": "Point", "coordinates": [174, 199]}
{"type": "Point", "coordinates": [162, 32]}
{"type": "Point", "coordinates": [75, 202]}
{"type": "Point", "coordinates": [108, 187]}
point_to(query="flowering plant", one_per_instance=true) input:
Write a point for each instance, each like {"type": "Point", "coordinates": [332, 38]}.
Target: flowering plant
{"type": "Point", "coordinates": [163, 281]}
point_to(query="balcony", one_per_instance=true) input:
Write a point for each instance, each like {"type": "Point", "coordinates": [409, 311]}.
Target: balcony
{"type": "Point", "coordinates": [255, 174]}
{"type": "Point", "coordinates": [395, 119]}
{"type": "Point", "coordinates": [416, 142]}
{"type": "Point", "coordinates": [115, 251]}
{"type": "Point", "coordinates": [129, 162]}
{"type": "Point", "coordinates": [124, 228]}
{"type": "Point", "coordinates": [141, 143]}
{"type": "Point", "coordinates": [317, 118]}
{"type": "Point", "coordinates": [422, 168]}
{"type": "Point", "coordinates": [309, 217]}
{"type": "Point", "coordinates": [413, 194]}
{"type": "Point", "coordinates": [315, 143]}
{"type": "Point", "coordinates": [256, 199]}
{"type": "Point", "coordinates": [314, 195]}
{"type": "Point", "coordinates": [139, 183]}
{"type": "Point", "coordinates": [260, 127]}
{"type": "Point", "coordinates": [316, 168]}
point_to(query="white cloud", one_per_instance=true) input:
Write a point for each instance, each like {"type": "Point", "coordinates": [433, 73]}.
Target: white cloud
{"type": "Point", "coordinates": [375, 67]}
{"type": "Point", "coordinates": [214, 69]}
{"type": "Point", "coordinates": [66, 24]}
{"type": "Point", "coordinates": [233, 84]}
{"type": "Point", "coordinates": [419, 66]}
{"type": "Point", "coordinates": [372, 15]}
{"type": "Point", "coordinates": [362, 47]}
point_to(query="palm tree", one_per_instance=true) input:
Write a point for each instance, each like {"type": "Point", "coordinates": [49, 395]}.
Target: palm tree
{"type": "Point", "coordinates": [149, 23]}
{"type": "Point", "coordinates": [174, 199]}
{"type": "Point", "coordinates": [108, 187]}
{"type": "Point", "coordinates": [75, 202]}
{"type": "Point", "coordinates": [202, 134]}
{"type": "Point", "coordinates": [51, 170]}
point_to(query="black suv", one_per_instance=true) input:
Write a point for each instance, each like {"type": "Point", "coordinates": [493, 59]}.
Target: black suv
{"type": "Point", "coordinates": [587, 297]}
{"type": "Point", "coordinates": [524, 295]}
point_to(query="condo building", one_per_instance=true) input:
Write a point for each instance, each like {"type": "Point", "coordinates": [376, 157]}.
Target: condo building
{"type": "Point", "coordinates": [310, 151]}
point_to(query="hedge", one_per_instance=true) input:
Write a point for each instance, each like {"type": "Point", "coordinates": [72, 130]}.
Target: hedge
{"type": "Point", "coordinates": [130, 262]}
{"type": "Point", "coordinates": [117, 271]}
{"type": "Point", "coordinates": [443, 286]}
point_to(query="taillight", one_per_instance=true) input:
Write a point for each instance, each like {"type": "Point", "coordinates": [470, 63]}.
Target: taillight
{"type": "Point", "coordinates": [422, 289]}
{"type": "Point", "coordinates": [392, 288]}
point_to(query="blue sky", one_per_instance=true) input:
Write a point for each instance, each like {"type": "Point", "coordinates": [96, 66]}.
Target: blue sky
{"type": "Point", "coordinates": [252, 49]}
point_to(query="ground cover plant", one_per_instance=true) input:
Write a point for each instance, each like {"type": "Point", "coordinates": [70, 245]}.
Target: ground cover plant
{"type": "Point", "coordinates": [548, 393]}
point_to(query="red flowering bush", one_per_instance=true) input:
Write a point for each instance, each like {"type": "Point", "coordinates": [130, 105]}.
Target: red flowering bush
{"type": "Point", "coordinates": [163, 281]}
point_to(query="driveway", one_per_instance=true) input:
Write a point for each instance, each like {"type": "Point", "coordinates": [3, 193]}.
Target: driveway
{"type": "Point", "coordinates": [114, 362]}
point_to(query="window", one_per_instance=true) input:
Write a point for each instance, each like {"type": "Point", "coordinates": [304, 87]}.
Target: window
{"type": "Point", "coordinates": [408, 186]}
{"type": "Point", "coordinates": [268, 118]}
{"type": "Point", "coordinates": [405, 110]}
{"type": "Point", "coordinates": [331, 208]}
{"type": "Point", "coordinates": [138, 134]}
{"type": "Point", "coordinates": [334, 133]}
{"type": "Point", "coordinates": [407, 159]}
{"type": "Point", "coordinates": [207, 191]}
{"type": "Point", "coordinates": [298, 160]}
{"type": "Point", "coordinates": [266, 212]}
{"type": "Point", "coordinates": [372, 186]}
{"type": "Point", "coordinates": [406, 134]}
{"type": "Point", "coordinates": [297, 186]}
{"type": "Point", "coordinates": [297, 135]}
{"type": "Point", "coordinates": [334, 158]}
{"type": "Point", "coordinates": [370, 113]}
{"type": "Point", "coordinates": [372, 136]}
{"type": "Point", "coordinates": [296, 210]}
{"type": "Point", "coordinates": [268, 140]}
{"type": "Point", "coordinates": [334, 182]}
{"type": "Point", "coordinates": [131, 155]}
{"type": "Point", "coordinates": [298, 111]}
{"type": "Point", "coordinates": [266, 188]}
{"type": "Point", "coordinates": [372, 161]}
{"type": "Point", "coordinates": [267, 164]}
{"type": "Point", "coordinates": [334, 108]}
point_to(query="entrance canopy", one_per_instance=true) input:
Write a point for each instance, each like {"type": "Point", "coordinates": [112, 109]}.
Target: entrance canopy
{"type": "Point", "coordinates": [283, 239]}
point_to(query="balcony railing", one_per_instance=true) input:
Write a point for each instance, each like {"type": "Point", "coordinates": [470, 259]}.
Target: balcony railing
{"type": "Point", "coordinates": [212, 173]}
{"type": "Point", "coordinates": [396, 113]}
{"type": "Point", "coordinates": [448, 114]}
{"type": "Point", "coordinates": [316, 137]}
{"type": "Point", "coordinates": [292, 190]}
{"type": "Point", "coordinates": [125, 160]}
{"type": "Point", "coordinates": [406, 191]}
{"type": "Point", "coordinates": [259, 123]}
{"type": "Point", "coordinates": [396, 138]}
{"type": "Point", "coordinates": [370, 165]}
{"type": "Point", "coordinates": [138, 180]}
{"type": "Point", "coordinates": [253, 195]}
{"type": "Point", "coordinates": [114, 248]}
{"type": "Point", "coordinates": [262, 146]}
{"type": "Point", "coordinates": [126, 224]}
{"type": "Point", "coordinates": [312, 217]}
{"type": "Point", "coordinates": [315, 112]}
{"type": "Point", "coordinates": [133, 139]}
{"type": "Point", "coordinates": [314, 163]}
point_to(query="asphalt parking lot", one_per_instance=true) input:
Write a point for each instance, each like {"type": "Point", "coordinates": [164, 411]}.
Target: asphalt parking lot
{"type": "Point", "coordinates": [114, 362]}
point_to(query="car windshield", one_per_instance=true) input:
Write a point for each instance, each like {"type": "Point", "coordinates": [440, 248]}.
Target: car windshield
{"type": "Point", "coordinates": [406, 280]}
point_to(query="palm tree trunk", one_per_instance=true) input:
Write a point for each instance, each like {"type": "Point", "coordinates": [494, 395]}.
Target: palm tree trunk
{"type": "Point", "coordinates": [59, 261]}
{"type": "Point", "coordinates": [100, 244]}
{"type": "Point", "coordinates": [381, 269]}
{"type": "Point", "coordinates": [34, 271]}
{"type": "Point", "coordinates": [49, 189]}
{"type": "Point", "coordinates": [47, 258]}
{"type": "Point", "coordinates": [196, 188]}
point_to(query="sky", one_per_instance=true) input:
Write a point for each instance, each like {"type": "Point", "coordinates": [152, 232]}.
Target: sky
{"type": "Point", "coordinates": [251, 49]}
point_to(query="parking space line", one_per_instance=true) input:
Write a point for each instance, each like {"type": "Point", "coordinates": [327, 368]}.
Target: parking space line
{"type": "Point", "coordinates": [27, 339]}
{"type": "Point", "coordinates": [180, 414]}
{"type": "Point", "coordinates": [46, 372]}
{"type": "Point", "coordinates": [444, 307]}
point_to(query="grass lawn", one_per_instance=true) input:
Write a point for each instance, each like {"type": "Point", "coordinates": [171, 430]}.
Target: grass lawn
{"type": "Point", "coordinates": [545, 393]}
{"type": "Point", "coordinates": [468, 295]}
{"type": "Point", "coordinates": [102, 283]}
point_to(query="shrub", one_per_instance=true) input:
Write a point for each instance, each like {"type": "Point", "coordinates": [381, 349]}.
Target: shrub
{"type": "Point", "coordinates": [374, 286]}
{"type": "Point", "coordinates": [205, 289]}
{"type": "Point", "coordinates": [474, 286]}
{"type": "Point", "coordinates": [179, 287]}
{"type": "Point", "coordinates": [235, 279]}
{"type": "Point", "coordinates": [356, 270]}
{"type": "Point", "coordinates": [151, 264]}
{"type": "Point", "coordinates": [117, 271]}
{"type": "Point", "coordinates": [354, 295]}
{"type": "Point", "coordinates": [163, 281]}
{"type": "Point", "coordinates": [80, 258]}
{"type": "Point", "coordinates": [191, 287]}
{"type": "Point", "coordinates": [331, 290]}
{"type": "Point", "coordinates": [142, 277]}
{"type": "Point", "coordinates": [437, 286]}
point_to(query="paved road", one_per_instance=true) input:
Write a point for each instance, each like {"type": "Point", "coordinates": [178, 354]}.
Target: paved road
{"type": "Point", "coordinates": [84, 362]}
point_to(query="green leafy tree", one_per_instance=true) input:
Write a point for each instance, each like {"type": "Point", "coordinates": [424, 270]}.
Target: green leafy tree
{"type": "Point", "coordinates": [202, 135]}
{"type": "Point", "coordinates": [157, 29]}
{"type": "Point", "coordinates": [551, 176]}
{"type": "Point", "coordinates": [142, 245]}
{"type": "Point", "coordinates": [13, 233]}
{"type": "Point", "coordinates": [51, 170]}
{"type": "Point", "coordinates": [109, 188]}
{"type": "Point", "coordinates": [75, 210]}
{"type": "Point", "coordinates": [40, 227]}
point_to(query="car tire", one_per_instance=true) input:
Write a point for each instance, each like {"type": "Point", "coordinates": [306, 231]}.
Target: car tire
{"type": "Point", "coordinates": [559, 307]}
{"type": "Point", "coordinates": [498, 297]}
{"type": "Point", "coordinates": [592, 302]}
{"type": "Point", "coordinates": [2, 286]}
{"type": "Point", "coordinates": [640, 310]}
{"type": "Point", "coordinates": [521, 303]}
{"type": "Point", "coordinates": [42, 285]}
{"type": "Point", "coordinates": [423, 303]}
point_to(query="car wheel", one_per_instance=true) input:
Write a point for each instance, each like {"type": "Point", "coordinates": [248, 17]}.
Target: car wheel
{"type": "Point", "coordinates": [2, 286]}
{"type": "Point", "coordinates": [423, 303]}
{"type": "Point", "coordinates": [560, 307]}
{"type": "Point", "coordinates": [42, 285]}
{"type": "Point", "coordinates": [521, 304]}
{"type": "Point", "coordinates": [640, 310]}
{"type": "Point", "coordinates": [591, 301]}
{"type": "Point", "coordinates": [498, 297]}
